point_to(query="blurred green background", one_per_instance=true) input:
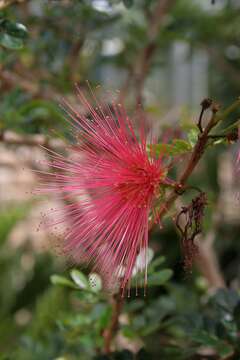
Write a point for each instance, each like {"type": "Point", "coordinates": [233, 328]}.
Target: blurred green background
{"type": "Point", "coordinates": [168, 55]}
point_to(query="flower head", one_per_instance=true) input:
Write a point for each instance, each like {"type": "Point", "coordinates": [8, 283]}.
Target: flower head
{"type": "Point", "coordinates": [112, 183]}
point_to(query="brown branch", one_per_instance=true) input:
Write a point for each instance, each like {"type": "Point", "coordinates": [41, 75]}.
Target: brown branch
{"type": "Point", "coordinates": [207, 261]}
{"type": "Point", "coordinates": [197, 153]}
{"type": "Point", "coordinates": [139, 71]}
{"type": "Point", "coordinates": [117, 304]}
{"type": "Point", "coordinates": [155, 22]}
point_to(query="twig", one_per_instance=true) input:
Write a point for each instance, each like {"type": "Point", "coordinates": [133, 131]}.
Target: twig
{"type": "Point", "coordinates": [139, 71]}
{"type": "Point", "coordinates": [155, 22]}
{"type": "Point", "coordinates": [117, 304]}
{"type": "Point", "coordinates": [197, 154]}
{"type": "Point", "coordinates": [195, 157]}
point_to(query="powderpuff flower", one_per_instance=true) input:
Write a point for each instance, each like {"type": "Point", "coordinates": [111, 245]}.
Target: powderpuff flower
{"type": "Point", "coordinates": [111, 184]}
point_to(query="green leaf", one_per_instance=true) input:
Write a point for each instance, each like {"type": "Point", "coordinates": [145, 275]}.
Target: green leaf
{"type": "Point", "coordinates": [10, 42]}
{"type": "Point", "coordinates": [222, 347]}
{"type": "Point", "coordinates": [203, 338]}
{"type": "Point", "coordinates": [226, 299]}
{"type": "Point", "coordinates": [150, 328]}
{"type": "Point", "coordinates": [177, 147]}
{"type": "Point", "coordinates": [160, 277]}
{"type": "Point", "coordinates": [80, 279]}
{"type": "Point", "coordinates": [135, 305]}
{"type": "Point", "coordinates": [181, 146]}
{"type": "Point", "coordinates": [231, 127]}
{"type": "Point", "coordinates": [193, 136]}
{"type": "Point", "coordinates": [60, 280]}
{"type": "Point", "coordinates": [14, 29]}
{"type": "Point", "coordinates": [156, 263]}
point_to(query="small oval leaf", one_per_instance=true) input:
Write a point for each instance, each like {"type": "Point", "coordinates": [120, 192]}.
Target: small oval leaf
{"type": "Point", "coordinates": [80, 279]}
{"type": "Point", "coordinates": [15, 29]}
{"type": "Point", "coordinates": [10, 42]}
{"type": "Point", "coordinates": [60, 280]}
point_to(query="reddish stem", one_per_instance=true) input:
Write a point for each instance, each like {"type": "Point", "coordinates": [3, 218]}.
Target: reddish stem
{"type": "Point", "coordinates": [117, 304]}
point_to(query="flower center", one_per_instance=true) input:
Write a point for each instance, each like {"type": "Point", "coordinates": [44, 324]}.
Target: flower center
{"type": "Point", "coordinates": [140, 185]}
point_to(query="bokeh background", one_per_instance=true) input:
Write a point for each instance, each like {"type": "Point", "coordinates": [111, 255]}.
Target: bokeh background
{"type": "Point", "coordinates": [167, 55]}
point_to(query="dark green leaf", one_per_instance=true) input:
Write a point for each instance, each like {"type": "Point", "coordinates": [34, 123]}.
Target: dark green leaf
{"type": "Point", "coordinates": [204, 338]}
{"type": "Point", "coordinates": [222, 347]}
{"type": "Point", "coordinates": [14, 29]}
{"type": "Point", "coordinates": [160, 277]}
{"type": "Point", "coordinates": [155, 264]}
{"type": "Point", "coordinates": [10, 42]}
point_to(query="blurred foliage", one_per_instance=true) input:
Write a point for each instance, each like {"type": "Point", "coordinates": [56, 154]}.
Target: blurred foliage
{"type": "Point", "coordinates": [47, 46]}
{"type": "Point", "coordinates": [12, 34]}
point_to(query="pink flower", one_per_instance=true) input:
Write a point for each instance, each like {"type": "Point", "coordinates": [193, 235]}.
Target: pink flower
{"type": "Point", "coordinates": [112, 185]}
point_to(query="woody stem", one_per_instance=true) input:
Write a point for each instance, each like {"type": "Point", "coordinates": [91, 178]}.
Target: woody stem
{"type": "Point", "coordinates": [117, 304]}
{"type": "Point", "coordinates": [198, 151]}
